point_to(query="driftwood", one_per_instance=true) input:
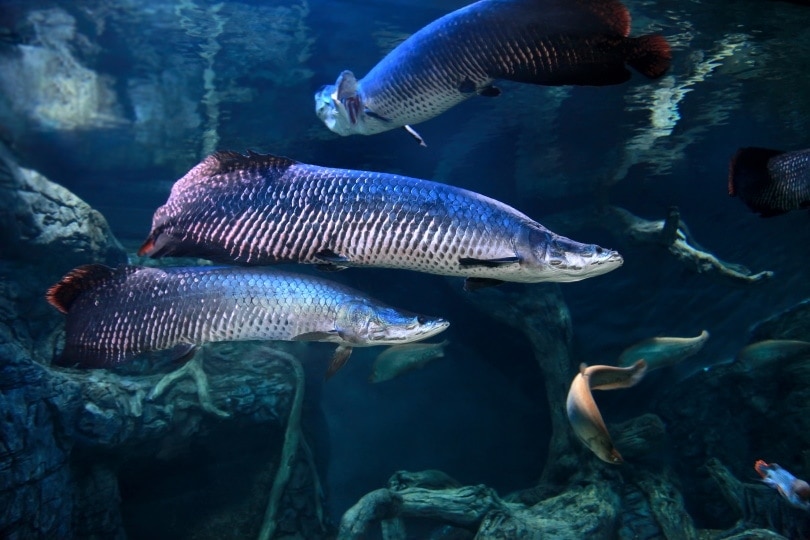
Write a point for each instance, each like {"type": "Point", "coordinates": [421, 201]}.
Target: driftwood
{"type": "Point", "coordinates": [670, 233]}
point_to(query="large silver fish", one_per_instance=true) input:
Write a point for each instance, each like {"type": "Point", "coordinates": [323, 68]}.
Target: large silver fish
{"type": "Point", "coordinates": [261, 209]}
{"type": "Point", "coordinates": [115, 314]}
{"type": "Point", "coordinates": [460, 55]}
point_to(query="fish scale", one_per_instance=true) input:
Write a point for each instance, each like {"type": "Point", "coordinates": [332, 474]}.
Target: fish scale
{"type": "Point", "coordinates": [544, 42]}
{"type": "Point", "coordinates": [261, 209]}
{"type": "Point", "coordinates": [118, 314]}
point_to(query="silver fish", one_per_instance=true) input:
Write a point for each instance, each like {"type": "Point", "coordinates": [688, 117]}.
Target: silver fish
{"type": "Point", "coordinates": [399, 359]}
{"type": "Point", "coordinates": [261, 209]}
{"type": "Point", "coordinates": [460, 55]}
{"type": "Point", "coordinates": [661, 352]}
{"type": "Point", "coordinates": [116, 314]}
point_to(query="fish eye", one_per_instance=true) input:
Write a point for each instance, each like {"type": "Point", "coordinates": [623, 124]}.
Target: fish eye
{"type": "Point", "coordinates": [421, 319]}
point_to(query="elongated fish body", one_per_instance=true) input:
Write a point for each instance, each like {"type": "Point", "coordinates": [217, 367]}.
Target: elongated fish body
{"type": "Point", "coordinates": [116, 314]}
{"type": "Point", "coordinates": [770, 182]}
{"type": "Point", "coordinates": [583, 413]}
{"type": "Point", "coordinates": [399, 359]}
{"type": "Point", "coordinates": [460, 55]}
{"type": "Point", "coordinates": [259, 209]}
{"type": "Point", "coordinates": [661, 352]}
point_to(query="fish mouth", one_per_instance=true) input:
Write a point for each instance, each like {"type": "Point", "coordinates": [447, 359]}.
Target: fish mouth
{"type": "Point", "coordinates": [331, 112]}
{"type": "Point", "coordinates": [590, 261]}
{"type": "Point", "coordinates": [424, 328]}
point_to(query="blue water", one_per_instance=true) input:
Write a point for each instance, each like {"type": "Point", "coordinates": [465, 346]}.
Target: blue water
{"type": "Point", "coordinates": [739, 78]}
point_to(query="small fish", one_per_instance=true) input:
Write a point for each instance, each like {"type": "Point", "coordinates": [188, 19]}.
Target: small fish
{"type": "Point", "coordinates": [794, 490]}
{"type": "Point", "coordinates": [584, 415]}
{"type": "Point", "coordinates": [770, 182]}
{"type": "Point", "coordinates": [773, 351]}
{"type": "Point", "coordinates": [261, 209]}
{"type": "Point", "coordinates": [661, 352]}
{"type": "Point", "coordinates": [460, 55]}
{"type": "Point", "coordinates": [399, 359]}
{"type": "Point", "coordinates": [115, 314]}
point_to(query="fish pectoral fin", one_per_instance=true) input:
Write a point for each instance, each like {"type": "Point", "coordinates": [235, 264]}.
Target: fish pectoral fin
{"type": "Point", "coordinates": [466, 86]}
{"type": "Point", "coordinates": [489, 263]}
{"type": "Point", "coordinates": [342, 354]}
{"type": "Point", "coordinates": [372, 114]}
{"type": "Point", "coordinates": [412, 132]}
{"type": "Point", "coordinates": [316, 336]}
{"type": "Point", "coordinates": [489, 91]}
{"type": "Point", "coordinates": [330, 261]}
{"type": "Point", "coordinates": [474, 283]}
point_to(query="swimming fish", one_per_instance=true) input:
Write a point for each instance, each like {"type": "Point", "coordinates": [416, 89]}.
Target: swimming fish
{"type": "Point", "coordinates": [460, 55]}
{"type": "Point", "coordinates": [261, 209]}
{"type": "Point", "coordinates": [770, 182]}
{"type": "Point", "coordinates": [661, 352]}
{"type": "Point", "coordinates": [584, 415]}
{"type": "Point", "coordinates": [773, 350]}
{"type": "Point", "coordinates": [794, 490]}
{"type": "Point", "coordinates": [114, 314]}
{"type": "Point", "coordinates": [399, 359]}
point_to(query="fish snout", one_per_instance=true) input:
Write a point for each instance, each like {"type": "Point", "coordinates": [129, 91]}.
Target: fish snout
{"type": "Point", "coordinates": [579, 261]}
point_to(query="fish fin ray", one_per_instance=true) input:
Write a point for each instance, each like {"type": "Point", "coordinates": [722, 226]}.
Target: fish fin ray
{"type": "Point", "coordinates": [62, 294]}
{"type": "Point", "coordinates": [650, 55]}
{"type": "Point", "coordinates": [183, 352]}
{"type": "Point", "coordinates": [342, 354]}
{"type": "Point", "coordinates": [329, 261]}
{"type": "Point", "coordinates": [412, 132]}
{"type": "Point", "coordinates": [226, 161]}
{"type": "Point", "coordinates": [474, 283]}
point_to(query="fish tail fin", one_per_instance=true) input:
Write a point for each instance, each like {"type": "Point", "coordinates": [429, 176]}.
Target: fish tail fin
{"type": "Point", "coordinates": [762, 468]}
{"type": "Point", "coordinates": [749, 169]}
{"type": "Point", "coordinates": [650, 55]}
{"type": "Point", "coordinates": [62, 294]}
{"type": "Point", "coordinates": [750, 179]}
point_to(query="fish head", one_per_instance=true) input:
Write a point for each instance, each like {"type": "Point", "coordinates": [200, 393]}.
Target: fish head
{"type": "Point", "coordinates": [556, 258]}
{"type": "Point", "coordinates": [362, 323]}
{"type": "Point", "coordinates": [340, 105]}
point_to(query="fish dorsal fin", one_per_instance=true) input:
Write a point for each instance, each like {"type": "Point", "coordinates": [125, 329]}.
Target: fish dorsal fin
{"type": "Point", "coordinates": [612, 13]}
{"type": "Point", "coordinates": [62, 294]}
{"type": "Point", "coordinates": [226, 161]}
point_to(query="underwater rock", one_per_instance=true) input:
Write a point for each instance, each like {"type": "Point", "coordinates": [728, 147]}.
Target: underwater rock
{"type": "Point", "coordinates": [43, 223]}
{"type": "Point", "coordinates": [792, 323]}
{"type": "Point", "coordinates": [44, 86]}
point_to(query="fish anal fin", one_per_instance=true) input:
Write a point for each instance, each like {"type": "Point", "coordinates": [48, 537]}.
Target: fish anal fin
{"type": "Point", "coordinates": [62, 294]}
{"type": "Point", "coordinates": [488, 263]}
{"type": "Point", "coordinates": [474, 283]}
{"type": "Point", "coordinates": [650, 55]}
{"type": "Point", "coordinates": [342, 354]}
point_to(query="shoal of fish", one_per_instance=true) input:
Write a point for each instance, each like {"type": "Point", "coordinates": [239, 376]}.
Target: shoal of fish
{"type": "Point", "coordinates": [256, 210]}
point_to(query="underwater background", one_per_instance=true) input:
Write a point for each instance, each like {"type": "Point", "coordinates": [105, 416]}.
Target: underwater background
{"type": "Point", "coordinates": [114, 100]}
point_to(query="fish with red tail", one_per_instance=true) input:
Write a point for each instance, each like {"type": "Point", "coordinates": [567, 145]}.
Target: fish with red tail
{"type": "Point", "coordinates": [263, 209]}
{"type": "Point", "coordinates": [794, 490]}
{"type": "Point", "coordinates": [460, 55]}
{"type": "Point", "coordinates": [113, 315]}
{"type": "Point", "coordinates": [770, 182]}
